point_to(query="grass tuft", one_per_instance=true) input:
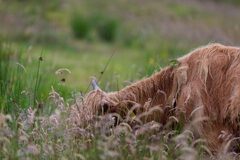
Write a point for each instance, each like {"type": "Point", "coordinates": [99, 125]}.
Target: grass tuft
{"type": "Point", "coordinates": [80, 26]}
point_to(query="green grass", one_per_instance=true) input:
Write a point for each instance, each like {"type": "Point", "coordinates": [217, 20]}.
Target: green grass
{"type": "Point", "coordinates": [25, 80]}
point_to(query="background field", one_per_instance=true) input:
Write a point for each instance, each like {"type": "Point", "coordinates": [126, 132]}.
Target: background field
{"type": "Point", "coordinates": [147, 34]}
{"type": "Point", "coordinates": [63, 43]}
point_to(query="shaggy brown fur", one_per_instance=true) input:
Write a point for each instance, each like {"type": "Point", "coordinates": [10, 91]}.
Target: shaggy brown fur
{"type": "Point", "coordinates": [203, 90]}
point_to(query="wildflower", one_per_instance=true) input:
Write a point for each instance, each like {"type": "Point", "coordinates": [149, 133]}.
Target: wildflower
{"type": "Point", "coordinates": [29, 121]}
{"type": "Point", "coordinates": [32, 149]}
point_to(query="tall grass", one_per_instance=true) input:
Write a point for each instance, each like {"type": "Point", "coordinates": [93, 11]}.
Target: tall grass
{"type": "Point", "coordinates": [24, 82]}
{"type": "Point", "coordinates": [11, 77]}
{"type": "Point", "coordinates": [69, 133]}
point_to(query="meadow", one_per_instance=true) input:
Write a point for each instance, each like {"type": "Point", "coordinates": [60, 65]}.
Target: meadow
{"type": "Point", "coordinates": [49, 51]}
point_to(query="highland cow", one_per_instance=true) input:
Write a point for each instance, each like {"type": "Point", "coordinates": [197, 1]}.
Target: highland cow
{"type": "Point", "coordinates": [202, 90]}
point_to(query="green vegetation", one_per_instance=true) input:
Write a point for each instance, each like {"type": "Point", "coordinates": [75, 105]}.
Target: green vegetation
{"type": "Point", "coordinates": [107, 29]}
{"type": "Point", "coordinates": [57, 46]}
{"type": "Point", "coordinates": [25, 81]}
{"type": "Point", "coordinates": [80, 26]}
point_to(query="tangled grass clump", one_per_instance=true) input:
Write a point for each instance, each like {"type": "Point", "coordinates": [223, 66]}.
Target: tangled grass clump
{"type": "Point", "coordinates": [73, 132]}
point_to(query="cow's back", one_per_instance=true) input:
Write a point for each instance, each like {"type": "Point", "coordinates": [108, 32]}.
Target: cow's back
{"type": "Point", "coordinates": [211, 93]}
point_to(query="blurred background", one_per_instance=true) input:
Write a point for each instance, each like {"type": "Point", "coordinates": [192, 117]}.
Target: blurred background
{"type": "Point", "coordinates": [62, 43]}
